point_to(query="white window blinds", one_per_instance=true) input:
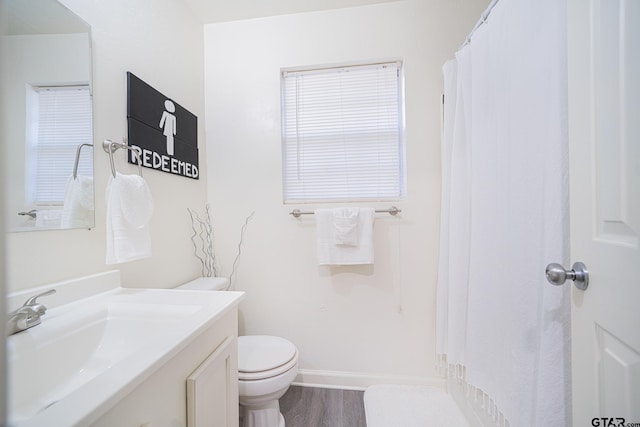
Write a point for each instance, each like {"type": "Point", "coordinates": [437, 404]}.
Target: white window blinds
{"type": "Point", "coordinates": [64, 122]}
{"type": "Point", "coordinates": [342, 133]}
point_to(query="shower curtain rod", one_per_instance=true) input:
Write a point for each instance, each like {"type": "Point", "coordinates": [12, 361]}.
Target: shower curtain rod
{"type": "Point", "coordinates": [483, 18]}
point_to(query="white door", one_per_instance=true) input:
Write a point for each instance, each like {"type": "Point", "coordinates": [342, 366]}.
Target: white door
{"type": "Point", "coordinates": [604, 135]}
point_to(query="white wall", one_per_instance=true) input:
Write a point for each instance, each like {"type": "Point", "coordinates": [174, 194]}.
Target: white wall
{"type": "Point", "coordinates": [352, 325]}
{"type": "Point", "coordinates": [160, 42]}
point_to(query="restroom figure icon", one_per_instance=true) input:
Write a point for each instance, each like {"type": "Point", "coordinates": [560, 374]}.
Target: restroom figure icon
{"type": "Point", "coordinates": [168, 125]}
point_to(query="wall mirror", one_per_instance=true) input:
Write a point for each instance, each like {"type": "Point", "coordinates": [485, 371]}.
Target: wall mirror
{"type": "Point", "coordinates": [47, 116]}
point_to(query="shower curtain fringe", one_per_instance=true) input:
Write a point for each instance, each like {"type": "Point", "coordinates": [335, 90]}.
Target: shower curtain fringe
{"type": "Point", "coordinates": [482, 401]}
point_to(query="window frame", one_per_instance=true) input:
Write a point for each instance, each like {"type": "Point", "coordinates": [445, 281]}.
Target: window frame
{"type": "Point", "coordinates": [399, 184]}
{"type": "Point", "coordinates": [33, 157]}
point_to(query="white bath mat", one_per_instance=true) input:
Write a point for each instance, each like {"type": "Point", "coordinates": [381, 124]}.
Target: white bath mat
{"type": "Point", "coordinates": [411, 406]}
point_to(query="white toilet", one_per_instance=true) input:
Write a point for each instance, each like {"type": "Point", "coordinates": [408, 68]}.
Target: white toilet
{"type": "Point", "coordinates": [266, 367]}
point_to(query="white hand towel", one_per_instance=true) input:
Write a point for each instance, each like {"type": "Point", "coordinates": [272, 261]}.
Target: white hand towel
{"type": "Point", "coordinates": [78, 203]}
{"type": "Point", "coordinates": [331, 253]}
{"type": "Point", "coordinates": [345, 222]}
{"type": "Point", "coordinates": [129, 210]}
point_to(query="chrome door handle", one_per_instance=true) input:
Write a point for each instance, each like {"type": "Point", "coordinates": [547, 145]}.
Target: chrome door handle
{"type": "Point", "coordinates": [557, 275]}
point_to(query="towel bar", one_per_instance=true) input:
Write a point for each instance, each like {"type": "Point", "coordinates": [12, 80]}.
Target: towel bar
{"type": "Point", "coordinates": [33, 213]}
{"type": "Point", "coordinates": [75, 166]}
{"type": "Point", "coordinates": [391, 211]}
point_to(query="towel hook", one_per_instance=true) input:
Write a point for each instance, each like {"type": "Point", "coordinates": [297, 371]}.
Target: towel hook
{"type": "Point", "coordinates": [110, 147]}
{"type": "Point", "coordinates": [75, 166]}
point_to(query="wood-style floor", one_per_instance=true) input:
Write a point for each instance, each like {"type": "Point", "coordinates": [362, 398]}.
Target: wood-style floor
{"type": "Point", "coordinates": [322, 407]}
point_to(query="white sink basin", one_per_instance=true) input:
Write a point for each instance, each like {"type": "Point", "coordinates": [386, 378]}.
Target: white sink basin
{"type": "Point", "coordinates": [88, 354]}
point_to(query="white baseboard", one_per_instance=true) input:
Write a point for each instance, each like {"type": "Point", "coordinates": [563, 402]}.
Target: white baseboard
{"type": "Point", "coordinates": [358, 380]}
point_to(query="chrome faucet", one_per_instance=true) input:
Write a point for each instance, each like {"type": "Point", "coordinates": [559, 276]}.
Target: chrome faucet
{"type": "Point", "coordinates": [28, 315]}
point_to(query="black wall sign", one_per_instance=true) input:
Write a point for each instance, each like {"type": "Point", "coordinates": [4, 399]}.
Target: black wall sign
{"type": "Point", "coordinates": [166, 133]}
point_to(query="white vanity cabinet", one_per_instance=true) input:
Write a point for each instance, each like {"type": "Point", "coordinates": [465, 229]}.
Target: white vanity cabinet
{"type": "Point", "coordinates": [197, 387]}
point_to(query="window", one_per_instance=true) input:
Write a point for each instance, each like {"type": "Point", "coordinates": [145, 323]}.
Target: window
{"type": "Point", "coordinates": [342, 133]}
{"type": "Point", "coordinates": [59, 120]}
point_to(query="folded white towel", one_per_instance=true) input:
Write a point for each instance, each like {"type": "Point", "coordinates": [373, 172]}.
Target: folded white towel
{"type": "Point", "coordinates": [345, 222]}
{"type": "Point", "coordinates": [129, 210]}
{"type": "Point", "coordinates": [78, 203]}
{"type": "Point", "coordinates": [331, 252]}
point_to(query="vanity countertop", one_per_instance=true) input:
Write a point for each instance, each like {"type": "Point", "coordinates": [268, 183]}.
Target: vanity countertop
{"type": "Point", "coordinates": [92, 351]}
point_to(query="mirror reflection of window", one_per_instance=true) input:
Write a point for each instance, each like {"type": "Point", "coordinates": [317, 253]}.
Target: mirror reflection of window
{"type": "Point", "coordinates": [46, 51]}
{"type": "Point", "coordinates": [62, 122]}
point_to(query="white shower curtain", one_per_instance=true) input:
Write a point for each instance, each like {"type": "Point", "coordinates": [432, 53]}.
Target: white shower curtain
{"type": "Point", "coordinates": [503, 331]}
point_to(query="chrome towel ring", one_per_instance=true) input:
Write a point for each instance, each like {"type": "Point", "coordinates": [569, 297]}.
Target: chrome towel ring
{"type": "Point", "coordinates": [110, 147]}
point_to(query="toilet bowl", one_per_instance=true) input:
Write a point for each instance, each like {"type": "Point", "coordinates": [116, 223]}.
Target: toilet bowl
{"type": "Point", "coordinates": [266, 367]}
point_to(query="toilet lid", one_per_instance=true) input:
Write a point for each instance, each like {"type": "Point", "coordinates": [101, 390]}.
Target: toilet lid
{"type": "Point", "coordinates": [258, 353]}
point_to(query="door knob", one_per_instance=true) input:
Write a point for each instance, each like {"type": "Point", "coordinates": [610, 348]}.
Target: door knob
{"type": "Point", "coordinates": [557, 275]}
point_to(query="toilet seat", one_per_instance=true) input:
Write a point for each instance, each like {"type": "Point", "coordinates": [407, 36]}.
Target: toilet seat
{"type": "Point", "coordinates": [262, 375]}
{"type": "Point", "coordinates": [263, 356]}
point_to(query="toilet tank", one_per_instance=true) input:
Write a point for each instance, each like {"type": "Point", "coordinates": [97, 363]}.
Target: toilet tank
{"type": "Point", "coordinates": [206, 284]}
